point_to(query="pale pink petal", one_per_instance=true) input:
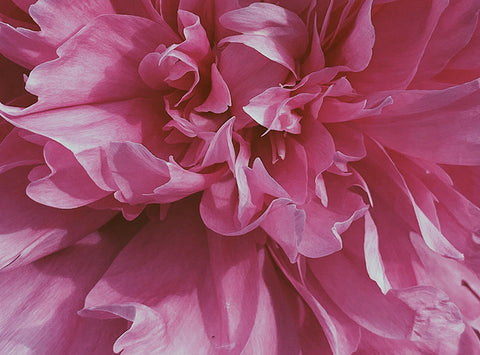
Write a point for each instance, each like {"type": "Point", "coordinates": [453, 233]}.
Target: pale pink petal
{"type": "Point", "coordinates": [218, 99]}
{"type": "Point", "coordinates": [107, 72]}
{"type": "Point", "coordinates": [153, 179]}
{"type": "Point", "coordinates": [435, 314]}
{"type": "Point", "coordinates": [275, 32]}
{"type": "Point", "coordinates": [68, 185]}
{"type": "Point", "coordinates": [87, 130]}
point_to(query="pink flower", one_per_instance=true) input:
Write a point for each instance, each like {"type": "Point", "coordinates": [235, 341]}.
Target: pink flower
{"type": "Point", "coordinates": [238, 177]}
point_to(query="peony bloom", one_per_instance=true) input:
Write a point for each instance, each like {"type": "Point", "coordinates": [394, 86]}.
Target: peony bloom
{"type": "Point", "coordinates": [240, 177]}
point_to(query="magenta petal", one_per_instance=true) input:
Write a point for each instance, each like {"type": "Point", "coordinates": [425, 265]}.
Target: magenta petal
{"type": "Point", "coordinates": [59, 21]}
{"type": "Point", "coordinates": [179, 301]}
{"type": "Point", "coordinates": [221, 147]}
{"type": "Point", "coordinates": [440, 126]}
{"type": "Point", "coordinates": [29, 230]}
{"type": "Point", "coordinates": [68, 81]}
{"type": "Point", "coordinates": [398, 47]}
{"type": "Point", "coordinates": [247, 74]}
{"type": "Point", "coordinates": [443, 315]}
{"type": "Point", "coordinates": [373, 258]}
{"type": "Point", "coordinates": [452, 33]}
{"type": "Point", "coordinates": [464, 67]}
{"type": "Point", "coordinates": [68, 185]}
{"type": "Point", "coordinates": [448, 275]}
{"type": "Point", "coordinates": [354, 49]}
{"type": "Point", "coordinates": [318, 144]}
{"type": "Point", "coordinates": [275, 32]}
{"type": "Point", "coordinates": [397, 255]}
{"type": "Point", "coordinates": [16, 151]}
{"type": "Point", "coordinates": [135, 171]}
{"type": "Point", "coordinates": [342, 333]}
{"type": "Point", "coordinates": [74, 127]}
{"type": "Point", "coordinates": [274, 109]}
{"type": "Point", "coordinates": [252, 177]}
{"type": "Point", "coordinates": [19, 47]}
{"type": "Point", "coordinates": [153, 179]}
{"type": "Point", "coordinates": [218, 99]}
{"type": "Point", "coordinates": [291, 172]}
{"type": "Point", "coordinates": [285, 225]}
{"type": "Point", "coordinates": [54, 288]}
{"type": "Point", "coordinates": [383, 315]}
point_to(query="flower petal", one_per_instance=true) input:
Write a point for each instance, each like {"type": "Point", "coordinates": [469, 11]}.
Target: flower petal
{"type": "Point", "coordinates": [440, 126]}
{"type": "Point", "coordinates": [273, 31]}
{"type": "Point", "coordinates": [53, 289]}
{"type": "Point", "coordinates": [402, 32]}
{"type": "Point", "coordinates": [179, 302]}
{"type": "Point", "coordinates": [107, 72]}
{"type": "Point", "coordinates": [29, 231]}
{"type": "Point", "coordinates": [68, 185]}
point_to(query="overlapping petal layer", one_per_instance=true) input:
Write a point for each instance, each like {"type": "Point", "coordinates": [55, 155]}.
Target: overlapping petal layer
{"type": "Point", "coordinates": [240, 177]}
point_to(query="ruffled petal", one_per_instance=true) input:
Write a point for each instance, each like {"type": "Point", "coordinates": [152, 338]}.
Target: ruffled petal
{"type": "Point", "coordinates": [87, 130]}
{"type": "Point", "coordinates": [153, 180]}
{"type": "Point", "coordinates": [220, 292]}
{"type": "Point", "coordinates": [273, 31]}
{"type": "Point", "coordinates": [67, 186]}
{"type": "Point", "coordinates": [53, 289]}
{"type": "Point", "coordinates": [107, 72]}
{"type": "Point", "coordinates": [29, 231]}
